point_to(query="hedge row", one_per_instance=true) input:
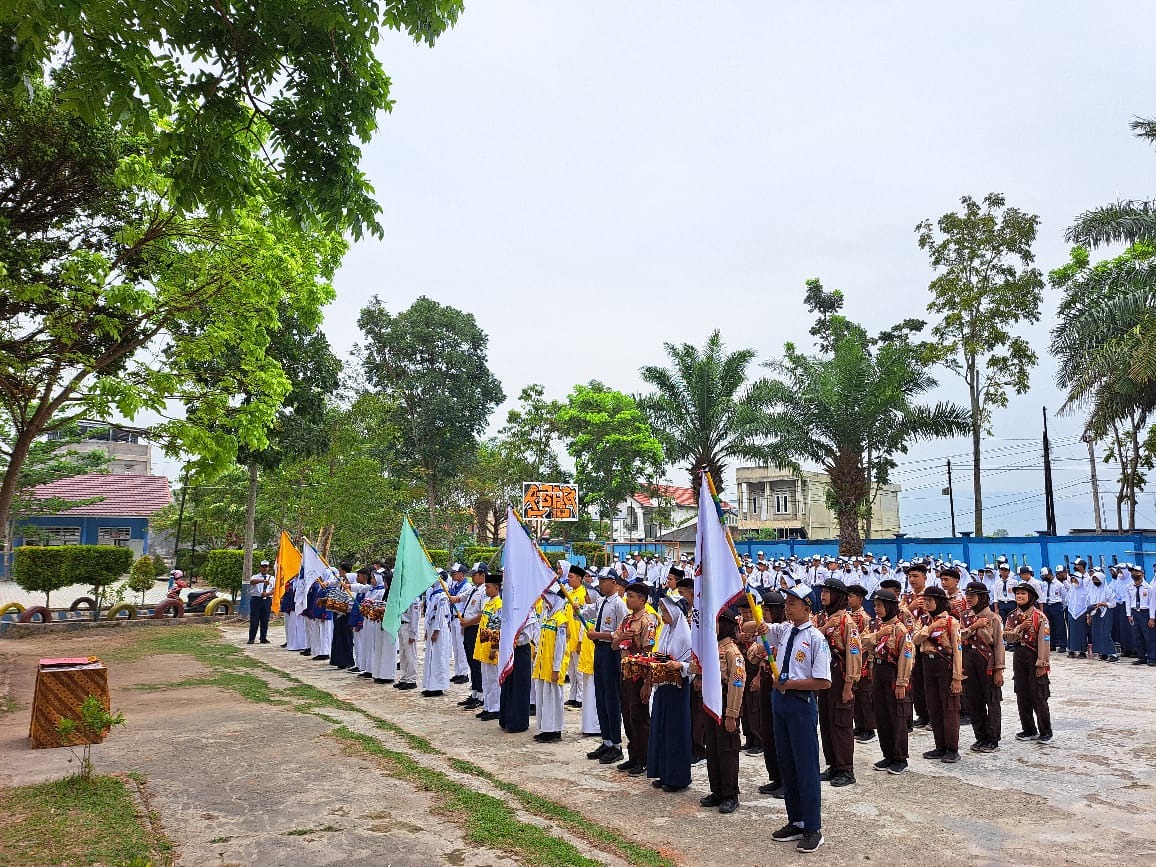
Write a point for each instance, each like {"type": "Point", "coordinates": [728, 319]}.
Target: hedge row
{"type": "Point", "coordinates": [224, 568]}
{"type": "Point", "coordinates": [43, 569]}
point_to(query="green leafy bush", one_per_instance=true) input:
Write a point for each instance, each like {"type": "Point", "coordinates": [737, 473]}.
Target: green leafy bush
{"type": "Point", "coordinates": [223, 569]}
{"type": "Point", "coordinates": [440, 557]}
{"type": "Point", "coordinates": [478, 553]}
{"type": "Point", "coordinates": [191, 562]}
{"type": "Point", "coordinates": [41, 569]}
{"type": "Point", "coordinates": [142, 577]}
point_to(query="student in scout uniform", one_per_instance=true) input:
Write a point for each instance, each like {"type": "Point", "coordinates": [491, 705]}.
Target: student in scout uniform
{"type": "Point", "coordinates": [668, 753]}
{"type": "Point", "coordinates": [750, 720]}
{"type": "Point", "coordinates": [1027, 631]}
{"type": "Point", "coordinates": [912, 600]}
{"type": "Point", "coordinates": [804, 668]}
{"type": "Point", "coordinates": [606, 613]}
{"type": "Point", "coordinates": [470, 603]}
{"type": "Point", "coordinates": [435, 674]}
{"type": "Point", "coordinates": [983, 667]}
{"type": "Point", "coordinates": [550, 665]}
{"type": "Point", "coordinates": [942, 654]}
{"type": "Point", "coordinates": [486, 646]}
{"type": "Point", "coordinates": [837, 705]}
{"type": "Point", "coordinates": [891, 657]}
{"type": "Point", "coordinates": [459, 586]}
{"type": "Point", "coordinates": [773, 602]}
{"type": "Point", "coordinates": [864, 730]}
{"type": "Point", "coordinates": [722, 738]}
{"type": "Point", "coordinates": [635, 635]}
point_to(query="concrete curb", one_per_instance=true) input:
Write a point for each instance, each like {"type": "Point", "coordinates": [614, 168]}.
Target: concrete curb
{"type": "Point", "coordinates": [33, 630]}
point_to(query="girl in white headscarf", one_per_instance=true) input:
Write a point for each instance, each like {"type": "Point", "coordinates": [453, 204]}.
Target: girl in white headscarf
{"type": "Point", "coordinates": [668, 754]}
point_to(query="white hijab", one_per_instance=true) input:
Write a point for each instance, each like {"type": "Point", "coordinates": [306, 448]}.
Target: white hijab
{"type": "Point", "coordinates": [675, 639]}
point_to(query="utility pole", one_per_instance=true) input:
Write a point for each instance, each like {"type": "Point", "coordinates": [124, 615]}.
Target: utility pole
{"type": "Point", "coordinates": [1087, 437]}
{"type": "Point", "coordinates": [1049, 496]}
{"type": "Point", "coordinates": [950, 491]}
{"type": "Point", "coordinates": [180, 518]}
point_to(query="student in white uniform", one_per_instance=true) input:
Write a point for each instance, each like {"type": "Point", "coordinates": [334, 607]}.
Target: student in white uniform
{"type": "Point", "coordinates": [459, 586]}
{"type": "Point", "coordinates": [435, 675]}
{"type": "Point", "coordinates": [407, 646]}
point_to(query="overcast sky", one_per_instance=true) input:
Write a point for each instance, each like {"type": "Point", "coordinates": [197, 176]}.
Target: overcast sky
{"type": "Point", "coordinates": [592, 179]}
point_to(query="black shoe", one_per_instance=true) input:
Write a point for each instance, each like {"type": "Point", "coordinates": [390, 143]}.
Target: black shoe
{"type": "Point", "coordinates": [321, 656]}
{"type": "Point", "coordinates": [934, 754]}
{"type": "Point", "coordinates": [950, 757]}
{"type": "Point", "coordinates": [353, 669]}
{"type": "Point", "coordinates": [431, 693]}
{"type": "Point", "coordinates": [898, 767]}
{"type": "Point", "coordinates": [542, 737]}
{"type": "Point", "coordinates": [769, 788]}
{"type": "Point", "coordinates": [637, 770]}
{"type": "Point", "coordinates": [264, 640]}
{"type": "Point", "coordinates": [628, 765]}
{"type": "Point", "coordinates": [368, 674]}
{"type": "Point", "coordinates": [1044, 738]}
{"type": "Point", "coordinates": [487, 715]}
{"type": "Point", "coordinates": [598, 753]}
{"type": "Point", "coordinates": [305, 652]}
{"type": "Point", "coordinates": [977, 747]}
{"type": "Point", "coordinates": [754, 751]}
{"type": "Point", "coordinates": [843, 778]}
{"type": "Point", "coordinates": [711, 800]}
{"type": "Point", "coordinates": [865, 736]}
{"type": "Point", "coordinates": [921, 722]}
{"type": "Point", "coordinates": [459, 678]}
{"type": "Point", "coordinates": [1071, 654]}
{"type": "Point", "coordinates": [669, 789]}
{"type": "Point", "coordinates": [472, 703]}
{"type": "Point", "coordinates": [382, 680]}
{"type": "Point", "coordinates": [1026, 736]}
{"type": "Point", "coordinates": [826, 775]}
{"type": "Point", "coordinates": [811, 841]}
{"type": "Point", "coordinates": [1082, 655]}
{"type": "Point", "coordinates": [611, 755]}
{"type": "Point", "coordinates": [965, 720]}
{"type": "Point", "coordinates": [286, 644]}
{"type": "Point", "coordinates": [572, 703]}
{"type": "Point", "coordinates": [1140, 661]}
{"type": "Point", "coordinates": [406, 686]}
{"type": "Point", "coordinates": [250, 641]}
{"type": "Point", "coordinates": [882, 764]}
{"type": "Point", "coordinates": [729, 805]}
{"type": "Point", "coordinates": [1113, 658]}
{"type": "Point", "coordinates": [990, 747]}
{"type": "Point", "coordinates": [656, 784]}
{"type": "Point", "coordinates": [787, 833]}
{"type": "Point", "coordinates": [465, 701]}
{"type": "Point", "coordinates": [533, 710]}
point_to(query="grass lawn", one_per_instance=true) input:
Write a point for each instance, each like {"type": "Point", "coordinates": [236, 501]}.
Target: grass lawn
{"type": "Point", "coordinates": [73, 821]}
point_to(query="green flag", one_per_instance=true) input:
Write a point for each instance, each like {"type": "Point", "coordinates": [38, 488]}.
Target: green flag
{"type": "Point", "coordinates": [413, 573]}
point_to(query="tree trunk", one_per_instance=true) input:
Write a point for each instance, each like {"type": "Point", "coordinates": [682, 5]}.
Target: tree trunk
{"type": "Point", "coordinates": [430, 500]}
{"type": "Point", "coordinates": [16, 459]}
{"type": "Point", "coordinates": [850, 540]}
{"type": "Point", "coordinates": [250, 523]}
{"type": "Point", "coordinates": [976, 481]}
{"type": "Point", "coordinates": [1133, 472]}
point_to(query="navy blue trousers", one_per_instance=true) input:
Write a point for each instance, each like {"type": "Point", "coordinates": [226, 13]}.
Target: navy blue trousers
{"type": "Point", "coordinates": [1058, 623]}
{"type": "Point", "coordinates": [607, 681]}
{"type": "Point", "coordinates": [259, 610]}
{"type": "Point", "coordinates": [668, 754]}
{"type": "Point", "coordinates": [1143, 637]}
{"type": "Point", "coordinates": [796, 717]}
{"type": "Point", "coordinates": [514, 700]}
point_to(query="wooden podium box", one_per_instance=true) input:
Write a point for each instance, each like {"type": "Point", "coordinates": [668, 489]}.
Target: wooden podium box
{"type": "Point", "coordinates": [62, 685]}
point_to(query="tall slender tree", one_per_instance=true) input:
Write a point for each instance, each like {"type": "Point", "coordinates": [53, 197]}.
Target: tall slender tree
{"type": "Point", "coordinates": [985, 286]}
{"type": "Point", "coordinates": [705, 411]}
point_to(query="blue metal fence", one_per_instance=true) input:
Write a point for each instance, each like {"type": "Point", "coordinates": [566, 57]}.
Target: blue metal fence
{"type": "Point", "coordinates": [1036, 551]}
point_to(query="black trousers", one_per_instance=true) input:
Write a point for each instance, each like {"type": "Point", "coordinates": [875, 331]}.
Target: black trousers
{"type": "Point", "coordinates": [837, 724]}
{"type": "Point", "coordinates": [918, 693]}
{"type": "Point", "coordinates": [470, 640]}
{"type": "Point", "coordinates": [259, 610]}
{"type": "Point", "coordinates": [891, 713]}
{"type": "Point", "coordinates": [942, 706]}
{"type": "Point", "coordinates": [607, 676]}
{"type": "Point", "coordinates": [983, 697]}
{"type": "Point", "coordinates": [1032, 693]}
{"type": "Point", "coordinates": [722, 758]}
{"type": "Point", "coordinates": [635, 719]}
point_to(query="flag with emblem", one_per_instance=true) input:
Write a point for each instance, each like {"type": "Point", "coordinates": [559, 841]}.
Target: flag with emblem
{"type": "Point", "coordinates": [526, 575]}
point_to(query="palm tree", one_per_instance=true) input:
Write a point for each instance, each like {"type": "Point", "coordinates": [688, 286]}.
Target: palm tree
{"type": "Point", "coordinates": [850, 411]}
{"type": "Point", "coordinates": [704, 412]}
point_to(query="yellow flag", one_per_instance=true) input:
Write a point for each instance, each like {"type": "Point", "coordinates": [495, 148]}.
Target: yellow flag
{"type": "Point", "coordinates": [288, 565]}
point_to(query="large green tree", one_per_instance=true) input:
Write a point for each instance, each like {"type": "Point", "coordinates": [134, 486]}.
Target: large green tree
{"type": "Point", "coordinates": [614, 449]}
{"type": "Point", "coordinates": [203, 82]}
{"type": "Point", "coordinates": [704, 411]}
{"type": "Point", "coordinates": [531, 435]}
{"type": "Point", "coordinates": [429, 361]}
{"type": "Point", "coordinates": [850, 410]}
{"type": "Point", "coordinates": [112, 301]}
{"type": "Point", "coordinates": [985, 287]}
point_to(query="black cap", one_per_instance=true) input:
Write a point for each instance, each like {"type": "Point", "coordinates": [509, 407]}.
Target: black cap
{"type": "Point", "coordinates": [1028, 587]}
{"type": "Point", "coordinates": [728, 615]}
{"type": "Point", "coordinates": [677, 573]}
{"type": "Point", "coordinates": [773, 597]}
{"type": "Point", "coordinates": [886, 595]}
{"type": "Point", "coordinates": [857, 590]}
{"type": "Point", "coordinates": [1025, 570]}
{"type": "Point", "coordinates": [890, 584]}
{"type": "Point", "coordinates": [977, 587]}
{"type": "Point", "coordinates": [835, 584]}
{"type": "Point", "coordinates": [494, 578]}
{"type": "Point", "coordinates": [577, 570]}
{"type": "Point", "coordinates": [936, 591]}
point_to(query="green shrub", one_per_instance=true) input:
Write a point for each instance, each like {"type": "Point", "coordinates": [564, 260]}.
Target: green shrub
{"type": "Point", "coordinates": [223, 569]}
{"type": "Point", "coordinates": [142, 577]}
{"type": "Point", "coordinates": [97, 565]}
{"type": "Point", "coordinates": [191, 562]}
{"type": "Point", "coordinates": [41, 569]}
{"type": "Point", "coordinates": [478, 554]}
{"type": "Point", "coordinates": [440, 557]}
{"type": "Point", "coordinates": [589, 549]}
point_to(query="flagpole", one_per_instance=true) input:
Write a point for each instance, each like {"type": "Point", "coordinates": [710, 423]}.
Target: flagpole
{"type": "Point", "coordinates": [437, 575]}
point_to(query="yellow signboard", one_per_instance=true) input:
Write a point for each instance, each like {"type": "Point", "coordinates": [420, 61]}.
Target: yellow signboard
{"type": "Point", "coordinates": [549, 501]}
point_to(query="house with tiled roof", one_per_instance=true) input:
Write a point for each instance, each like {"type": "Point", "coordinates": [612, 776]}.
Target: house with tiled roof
{"type": "Point", "coordinates": [114, 509]}
{"type": "Point", "coordinates": [655, 511]}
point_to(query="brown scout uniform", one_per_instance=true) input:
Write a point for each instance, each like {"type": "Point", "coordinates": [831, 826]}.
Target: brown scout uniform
{"type": "Point", "coordinates": [635, 635]}
{"type": "Point", "coordinates": [912, 614]}
{"type": "Point", "coordinates": [892, 659]}
{"type": "Point", "coordinates": [836, 717]}
{"type": "Point", "coordinates": [983, 656]}
{"type": "Point", "coordinates": [722, 747]}
{"type": "Point", "coordinates": [1031, 663]}
{"type": "Point", "coordinates": [864, 699]}
{"type": "Point", "coordinates": [942, 654]}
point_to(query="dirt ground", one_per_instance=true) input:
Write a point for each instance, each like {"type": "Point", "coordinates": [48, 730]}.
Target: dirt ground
{"type": "Point", "coordinates": [231, 778]}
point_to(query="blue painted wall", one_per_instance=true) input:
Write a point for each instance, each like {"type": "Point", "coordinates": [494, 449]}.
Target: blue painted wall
{"type": "Point", "coordinates": [89, 530]}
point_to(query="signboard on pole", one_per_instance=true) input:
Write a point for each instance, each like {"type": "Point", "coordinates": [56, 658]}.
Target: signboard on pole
{"type": "Point", "coordinates": [549, 501]}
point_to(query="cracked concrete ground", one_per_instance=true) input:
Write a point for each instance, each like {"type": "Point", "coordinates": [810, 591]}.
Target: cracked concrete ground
{"type": "Point", "coordinates": [232, 779]}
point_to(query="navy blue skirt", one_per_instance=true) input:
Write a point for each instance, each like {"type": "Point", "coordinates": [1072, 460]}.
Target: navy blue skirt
{"type": "Point", "coordinates": [668, 753]}
{"type": "Point", "coordinates": [514, 700]}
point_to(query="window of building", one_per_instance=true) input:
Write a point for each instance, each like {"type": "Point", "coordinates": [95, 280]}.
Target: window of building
{"type": "Point", "coordinates": [754, 505]}
{"type": "Point", "coordinates": [118, 536]}
{"type": "Point", "coordinates": [52, 535]}
{"type": "Point", "coordinates": [782, 504]}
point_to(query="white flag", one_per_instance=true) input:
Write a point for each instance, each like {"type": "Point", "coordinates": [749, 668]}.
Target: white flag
{"type": "Point", "coordinates": [525, 576]}
{"type": "Point", "coordinates": [716, 582]}
{"type": "Point", "coordinates": [313, 566]}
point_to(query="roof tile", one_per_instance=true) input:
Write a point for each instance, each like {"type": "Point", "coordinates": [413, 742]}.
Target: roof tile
{"type": "Point", "coordinates": [124, 494]}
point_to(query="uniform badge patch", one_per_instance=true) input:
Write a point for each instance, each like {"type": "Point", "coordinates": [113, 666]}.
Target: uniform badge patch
{"type": "Point", "coordinates": [854, 651]}
{"type": "Point", "coordinates": [800, 656]}
{"type": "Point", "coordinates": [907, 654]}
{"type": "Point", "coordinates": [738, 684]}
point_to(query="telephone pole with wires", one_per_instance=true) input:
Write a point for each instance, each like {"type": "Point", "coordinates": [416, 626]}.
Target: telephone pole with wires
{"type": "Point", "coordinates": [950, 492]}
{"type": "Point", "coordinates": [1087, 438]}
{"type": "Point", "coordinates": [1049, 494]}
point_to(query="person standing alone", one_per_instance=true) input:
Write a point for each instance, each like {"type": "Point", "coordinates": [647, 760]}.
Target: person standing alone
{"type": "Point", "coordinates": [260, 602]}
